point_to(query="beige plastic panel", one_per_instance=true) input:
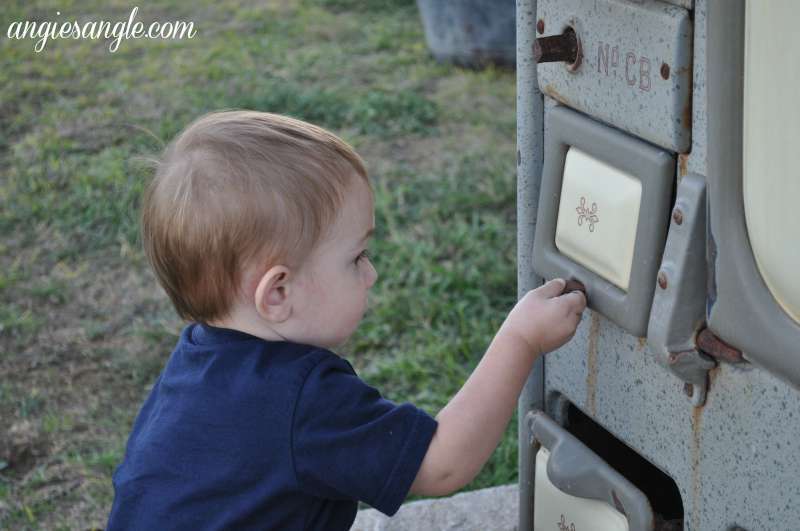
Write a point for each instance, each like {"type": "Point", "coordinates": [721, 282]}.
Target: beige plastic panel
{"type": "Point", "coordinates": [772, 145]}
{"type": "Point", "coordinates": [556, 510]}
{"type": "Point", "coordinates": [597, 216]}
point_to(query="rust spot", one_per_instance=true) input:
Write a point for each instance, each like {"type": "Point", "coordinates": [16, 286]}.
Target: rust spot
{"type": "Point", "coordinates": [642, 341]}
{"type": "Point", "coordinates": [664, 71]}
{"type": "Point", "coordinates": [540, 26]}
{"type": "Point", "coordinates": [686, 115]}
{"type": "Point", "coordinates": [551, 91]}
{"type": "Point", "coordinates": [683, 160]}
{"type": "Point", "coordinates": [662, 280]}
{"type": "Point", "coordinates": [717, 348]}
{"type": "Point", "coordinates": [579, 56]}
{"type": "Point", "coordinates": [677, 216]}
{"type": "Point", "coordinates": [591, 365]}
{"type": "Point", "coordinates": [712, 375]}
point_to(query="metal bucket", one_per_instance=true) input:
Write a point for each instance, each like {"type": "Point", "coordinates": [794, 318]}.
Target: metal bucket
{"type": "Point", "coordinates": [470, 33]}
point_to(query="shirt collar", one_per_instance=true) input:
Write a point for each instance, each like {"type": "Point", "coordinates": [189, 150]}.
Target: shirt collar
{"type": "Point", "coordinates": [205, 334]}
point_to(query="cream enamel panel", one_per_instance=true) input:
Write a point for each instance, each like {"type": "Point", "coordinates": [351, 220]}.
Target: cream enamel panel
{"type": "Point", "coordinates": [772, 146]}
{"type": "Point", "coordinates": [597, 216]}
{"type": "Point", "coordinates": [555, 510]}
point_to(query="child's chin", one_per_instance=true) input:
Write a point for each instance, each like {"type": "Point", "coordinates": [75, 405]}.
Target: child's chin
{"type": "Point", "coordinates": [329, 343]}
{"type": "Point", "coordinates": [341, 341]}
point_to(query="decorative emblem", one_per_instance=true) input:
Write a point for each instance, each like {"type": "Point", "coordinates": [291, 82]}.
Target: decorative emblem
{"type": "Point", "coordinates": [562, 525]}
{"type": "Point", "coordinates": [589, 215]}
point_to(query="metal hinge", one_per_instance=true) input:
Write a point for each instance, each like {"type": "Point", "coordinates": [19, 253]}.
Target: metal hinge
{"type": "Point", "coordinates": [713, 346]}
{"type": "Point", "coordinates": [692, 366]}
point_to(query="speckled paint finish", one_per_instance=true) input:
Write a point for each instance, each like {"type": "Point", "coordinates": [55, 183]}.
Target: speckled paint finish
{"type": "Point", "coordinates": [696, 161]}
{"type": "Point", "coordinates": [530, 111]}
{"type": "Point", "coordinates": [735, 460]}
{"type": "Point", "coordinates": [635, 66]}
{"type": "Point", "coordinates": [760, 327]}
{"type": "Point", "coordinates": [680, 3]}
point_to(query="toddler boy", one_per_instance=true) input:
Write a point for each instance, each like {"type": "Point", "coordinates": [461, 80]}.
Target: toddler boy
{"type": "Point", "coordinates": [256, 225]}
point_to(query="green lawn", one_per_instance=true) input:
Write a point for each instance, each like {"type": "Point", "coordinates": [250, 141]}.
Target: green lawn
{"type": "Point", "coordinates": [84, 328]}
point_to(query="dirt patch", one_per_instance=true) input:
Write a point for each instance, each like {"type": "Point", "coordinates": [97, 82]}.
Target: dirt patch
{"type": "Point", "coordinates": [21, 446]}
{"type": "Point", "coordinates": [71, 388]}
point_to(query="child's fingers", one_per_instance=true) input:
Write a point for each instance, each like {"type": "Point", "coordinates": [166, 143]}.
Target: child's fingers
{"type": "Point", "coordinates": [553, 288]}
{"type": "Point", "coordinates": [575, 302]}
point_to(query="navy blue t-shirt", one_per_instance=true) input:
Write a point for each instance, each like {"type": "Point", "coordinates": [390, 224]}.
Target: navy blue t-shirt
{"type": "Point", "coordinates": [242, 433]}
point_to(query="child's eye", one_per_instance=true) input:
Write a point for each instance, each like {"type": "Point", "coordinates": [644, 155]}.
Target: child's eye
{"type": "Point", "coordinates": [363, 254]}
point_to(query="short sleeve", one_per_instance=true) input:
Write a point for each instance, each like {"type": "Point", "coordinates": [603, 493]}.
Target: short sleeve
{"type": "Point", "coordinates": [351, 443]}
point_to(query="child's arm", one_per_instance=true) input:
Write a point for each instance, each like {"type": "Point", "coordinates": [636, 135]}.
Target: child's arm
{"type": "Point", "coordinates": [472, 423]}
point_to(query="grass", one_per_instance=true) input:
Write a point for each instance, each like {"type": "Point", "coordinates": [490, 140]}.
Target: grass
{"type": "Point", "coordinates": [84, 329]}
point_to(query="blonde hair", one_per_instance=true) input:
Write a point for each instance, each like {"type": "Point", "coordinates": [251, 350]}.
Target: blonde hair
{"type": "Point", "coordinates": [237, 186]}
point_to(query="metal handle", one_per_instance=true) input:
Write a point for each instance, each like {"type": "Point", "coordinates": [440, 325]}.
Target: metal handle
{"type": "Point", "coordinates": [562, 47]}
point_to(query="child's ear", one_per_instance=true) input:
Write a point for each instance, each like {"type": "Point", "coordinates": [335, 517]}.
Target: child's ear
{"type": "Point", "coordinates": [272, 294]}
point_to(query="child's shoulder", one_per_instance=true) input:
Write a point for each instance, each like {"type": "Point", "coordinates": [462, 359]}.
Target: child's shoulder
{"type": "Point", "coordinates": [211, 350]}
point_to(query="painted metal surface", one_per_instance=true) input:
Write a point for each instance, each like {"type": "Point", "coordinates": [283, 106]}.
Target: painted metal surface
{"type": "Point", "coordinates": [742, 310]}
{"type": "Point", "coordinates": [607, 248]}
{"type": "Point", "coordinates": [530, 154]}
{"type": "Point", "coordinates": [736, 459]}
{"type": "Point", "coordinates": [653, 167]}
{"type": "Point", "coordinates": [635, 66]}
{"type": "Point", "coordinates": [577, 471]}
{"type": "Point", "coordinates": [679, 303]}
{"type": "Point", "coordinates": [688, 4]}
{"type": "Point", "coordinates": [771, 159]}
{"type": "Point", "coordinates": [555, 509]}
{"type": "Point", "coordinates": [469, 32]}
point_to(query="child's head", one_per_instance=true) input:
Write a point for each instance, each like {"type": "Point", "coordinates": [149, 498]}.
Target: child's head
{"type": "Point", "coordinates": [248, 220]}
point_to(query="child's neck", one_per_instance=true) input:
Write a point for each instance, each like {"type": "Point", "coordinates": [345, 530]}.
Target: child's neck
{"type": "Point", "coordinates": [244, 321]}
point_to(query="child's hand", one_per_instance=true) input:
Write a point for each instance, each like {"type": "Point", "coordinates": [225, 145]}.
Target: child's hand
{"type": "Point", "coordinates": [473, 422]}
{"type": "Point", "coordinates": [544, 318]}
